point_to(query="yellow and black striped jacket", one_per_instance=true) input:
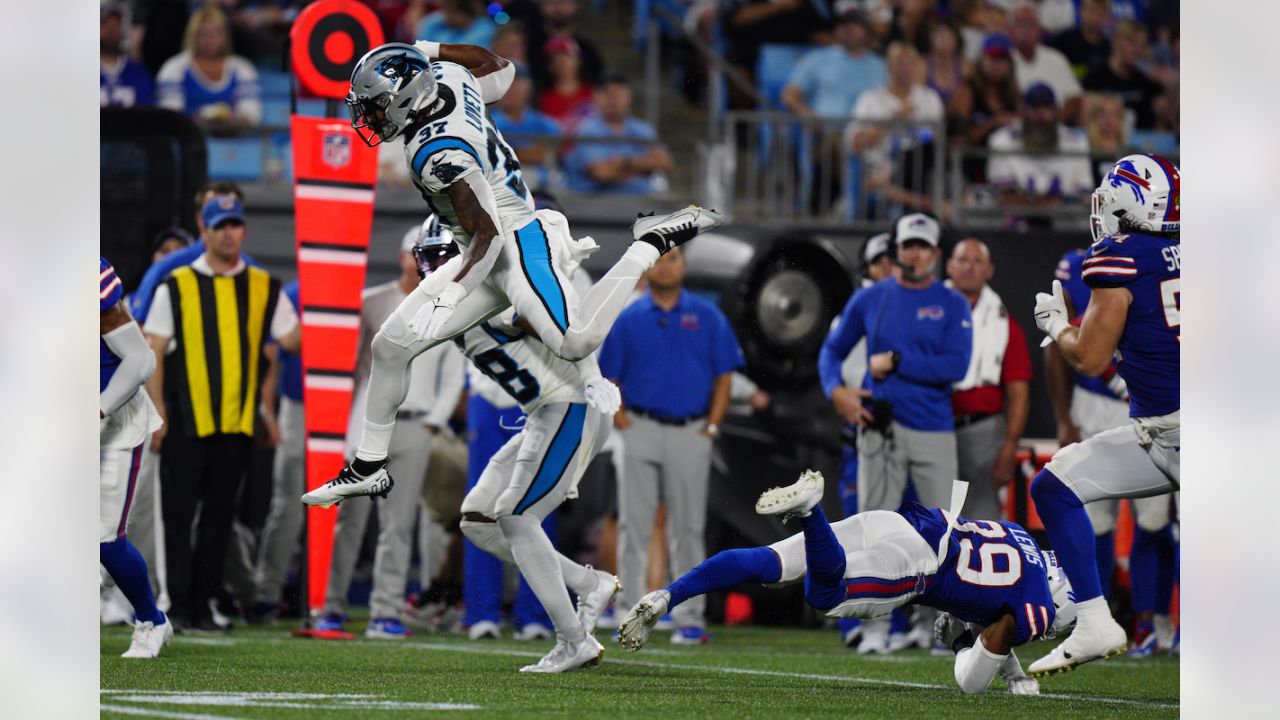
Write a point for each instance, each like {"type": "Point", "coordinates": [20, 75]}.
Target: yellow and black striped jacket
{"type": "Point", "coordinates": [212, 377]}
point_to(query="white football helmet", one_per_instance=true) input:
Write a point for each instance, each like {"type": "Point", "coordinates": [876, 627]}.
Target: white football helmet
{"type": "Point", "coordinates": [1064, 600]}
{"type": "Point", "coordinates": [389, 85]}
{"type": "Point", "coordinates": [433, 246]}
{"type": "Point", "coordinates": [1140, 193]}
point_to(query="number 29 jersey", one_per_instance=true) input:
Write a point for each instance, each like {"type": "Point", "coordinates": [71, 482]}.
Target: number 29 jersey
{"type": "Point", "coordinates": [523, 367]}
{"type": "Point", "coordinates": [458, 139]}
{"type": "Point", "coordinates": [990, 567]}
{"type": "Point", "coordinates": [1150, 349]}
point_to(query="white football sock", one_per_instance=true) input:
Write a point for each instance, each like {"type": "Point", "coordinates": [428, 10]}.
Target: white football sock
{"type": "Point", "coordinates": [602, 303]}
{"type": "Point", "coordinates": [536, 558]}
{"type": "Point", "coordinates": [375, 441]}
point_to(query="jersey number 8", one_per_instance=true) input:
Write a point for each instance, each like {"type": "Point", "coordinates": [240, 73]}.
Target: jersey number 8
{"type": "Point", "coordinates": [503, 370]}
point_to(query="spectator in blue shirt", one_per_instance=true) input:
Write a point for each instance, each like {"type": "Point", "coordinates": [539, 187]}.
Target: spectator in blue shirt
{"type": "Point", "coordinates": [673, 355]}
{"type": "Point", "coordinates": [827, 81]}
{"type": "Point", "coordinates": [122, 81]}
{"type": "Point", "coordinates": [458, 21]}
{"type": "Point", "coordinates": [206, 81]}
{"type": "Point", "coordinates": [623, 167]}
{"type": "Point", "coordinates": [919, 338]}
{"type": "Point", "coordinates": [529, 132]}
{"type": "Point", "coordinates": [140, 300]}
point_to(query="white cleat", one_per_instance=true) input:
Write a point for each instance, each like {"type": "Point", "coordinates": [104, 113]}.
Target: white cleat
{"type": "Point", "coordinates": [484, 630]}
{"type": "Point", "coordinates": [1097, 640]}
{"type": "Point", "coordinates": [148, 639]}
{"type": "Point", "coordinates": [798, 498]}
{"type": "Point", "coordinates": [634, 631]}
{"type": "Point", "coordinates": [566, 656]}
{"type": "Point", "coordinates": [348, 484]}
{"type": "Point", "coordinates": [875, 637]}
{"type": "Point", "coordinates": [592, 604]}
{"type": "Point", "coordinates": [678, 227]}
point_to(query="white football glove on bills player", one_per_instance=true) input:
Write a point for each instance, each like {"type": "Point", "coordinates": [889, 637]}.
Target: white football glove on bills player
{"type": "Point", "coordinates": [1051, 313]}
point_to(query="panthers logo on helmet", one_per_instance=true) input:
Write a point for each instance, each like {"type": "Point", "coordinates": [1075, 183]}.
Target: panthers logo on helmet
{"type": "Point", "coordinates": [401, 66]}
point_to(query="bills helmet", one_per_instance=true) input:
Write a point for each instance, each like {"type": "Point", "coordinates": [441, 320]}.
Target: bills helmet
{"type": "Point", "coordinates": [389, 85]}
{"type": "Point", "coordinates": [1140, 193]}
{"type": "Point", "coordinates": [434, 246]}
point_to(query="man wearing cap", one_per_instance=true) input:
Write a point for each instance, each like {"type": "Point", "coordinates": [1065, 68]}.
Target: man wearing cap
{"type": "Point", "coordinates": [625, 167]}
{"type": "Point", "coordinates": [919, 337]}
{"type": "Point", "coordinates": [436, 379]}
{"type": "Point", "coordinates": [826, 82]}
{"type": "Point", "coordinates": [1034, 62]}
{"type": "Point", "coordinates": [991, 402]}
{"type": "Point", "coordinates": [207, 325]}
{"type": "Point", "coordinates": [1037, 178]}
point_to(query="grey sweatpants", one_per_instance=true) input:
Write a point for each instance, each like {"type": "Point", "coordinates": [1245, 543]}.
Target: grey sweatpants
{"type": "Point", "coordinates": [977, 446]}
{"type": "Point", "coordinates": [282, 531]}
{"type": "Point", "coordinates": [407, 462]}
{"type": "Point", "coordinates": [884, 464]}
{"type": "Point", "coordinates": [672, 465]}
{"type": "Point", "coordinates": [145, 528]}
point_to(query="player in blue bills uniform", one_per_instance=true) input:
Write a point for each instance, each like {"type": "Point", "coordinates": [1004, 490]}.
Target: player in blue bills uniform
{"type": "Point", "coordinates": [1097, 404]}
{"type": "Point", "coordinates": [996, 587]}
{"type": "Point", "coordinates": [1134, 271]}
{"type": "Point", "coordinates": [126, 419]}
{"type": "Point", "coordinates": [433, 97]}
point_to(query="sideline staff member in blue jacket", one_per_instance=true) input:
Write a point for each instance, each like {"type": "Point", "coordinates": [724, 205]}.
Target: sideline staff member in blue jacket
{"type": "Point", "coordinates": [919, 337]}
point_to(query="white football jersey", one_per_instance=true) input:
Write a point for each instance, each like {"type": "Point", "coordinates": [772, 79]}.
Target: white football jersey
{"type": "Point", "coordinates": [523, 367]}
{"type": "Point", "coordinates": [458, 139]}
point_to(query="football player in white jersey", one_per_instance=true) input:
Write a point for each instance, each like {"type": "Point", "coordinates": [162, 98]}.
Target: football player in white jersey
{"type": "Point", "coordinates": [433, 96]}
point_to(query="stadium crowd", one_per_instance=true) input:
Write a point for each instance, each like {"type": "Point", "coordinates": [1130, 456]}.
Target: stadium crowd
{"type": "Point", "coordinates": [1047, 79]}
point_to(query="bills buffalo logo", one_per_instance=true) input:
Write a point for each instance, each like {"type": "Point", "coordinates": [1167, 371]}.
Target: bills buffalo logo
{"type": "Point", "coordinates": [689, 321]}
{"type": "Point", "coordinates": [336, 150]}
{"type": "Point", "coordinates": [1126, 174]}
{"type": "Point", "coordinates": [930, 312]}
{"type": "Point", "coordinates": [446, 172]}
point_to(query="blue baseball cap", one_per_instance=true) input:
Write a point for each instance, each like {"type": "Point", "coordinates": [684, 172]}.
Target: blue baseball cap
{"type": "Point", "coordinates": [1040, 95]}
{"type": "Point", "coordinates": [220, 209]}
{"type": "Point", "coordinates": [997, 45]}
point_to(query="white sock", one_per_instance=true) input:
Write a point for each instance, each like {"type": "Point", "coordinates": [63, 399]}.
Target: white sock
{"type": "Point", "coordinates": [602, 303]}
{"type": "Point", "coordinates": [1093, 610]}
{"type": "Point", "coordinates": [579, 578]}
{"type": "Point", "coordinates": [375, 441]}
{"type": "Point", "coordinates": [537, 561]}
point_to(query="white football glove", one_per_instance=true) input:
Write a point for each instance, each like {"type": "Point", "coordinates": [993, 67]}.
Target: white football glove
{"type": "Point", "coordinates": [1051, 313]}
{"type": "Point", "coordinates": [429, 322]}
{"type": "Point", "coordinates": [947, 629]}
{"type": "Point", "coordinates": [602, 395]}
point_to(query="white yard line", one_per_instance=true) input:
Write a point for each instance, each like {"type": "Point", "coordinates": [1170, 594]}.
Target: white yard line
{"type": "Point", "coordinates": [613, 660]}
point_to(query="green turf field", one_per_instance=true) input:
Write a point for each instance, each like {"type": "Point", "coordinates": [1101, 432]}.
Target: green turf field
{"type": "Point", "coordinates": [746, 672]}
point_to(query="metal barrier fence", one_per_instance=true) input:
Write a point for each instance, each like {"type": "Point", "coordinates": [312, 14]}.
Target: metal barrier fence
{"type": "Point", "coordinates": [774, 166]}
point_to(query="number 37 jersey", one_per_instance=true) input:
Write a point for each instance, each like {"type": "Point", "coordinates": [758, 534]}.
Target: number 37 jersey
{"type": "Point", "coordinates": [990, 567]}
{"type": "Point", "coordinates": [1150, 349]}
{"type": "Point", "coordinates": [523, 367]}
{"type": "Point", "coordinates": [457, 139]}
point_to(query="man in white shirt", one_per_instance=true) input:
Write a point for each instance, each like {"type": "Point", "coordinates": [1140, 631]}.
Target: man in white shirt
{"type": "Point", "coordinates": [1034, 62]}
{"type": "Point", "coordinates": [435, 385]}
{"type": "Point", "coordinates": [208, 324]}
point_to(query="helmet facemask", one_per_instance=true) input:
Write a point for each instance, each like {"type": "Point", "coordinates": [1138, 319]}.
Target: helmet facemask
{"type": "Point", "coordinates": [388, 88]}
{"type": "Point", "coordinates": [369, 118]}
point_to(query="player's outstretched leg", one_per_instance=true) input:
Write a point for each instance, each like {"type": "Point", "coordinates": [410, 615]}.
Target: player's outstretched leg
{"type": "Point", "coordinates": [722, 571]}
{"type": "Point", "coordinates": [654, 236]}
{"type": "Point", "coordinates": [152, 630]}
{"type": "Point", "coordinates": [824, 558]}
{"type": "Point", "coordinates": [1097, 635]}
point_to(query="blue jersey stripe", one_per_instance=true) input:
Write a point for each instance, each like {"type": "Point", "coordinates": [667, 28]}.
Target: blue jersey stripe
{"type": "Point", "coordinates": [535, 261]}
{"type": "Point", "coordinates": [557, 458]}
{"type": "Point", "coordinates": [439, 144]}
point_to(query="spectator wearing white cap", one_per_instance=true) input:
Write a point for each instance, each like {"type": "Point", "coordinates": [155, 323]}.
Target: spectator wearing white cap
{"type": "Point", "coordinates": [919, 336]}
{"type": "Point", "coordinates": [435, 384]}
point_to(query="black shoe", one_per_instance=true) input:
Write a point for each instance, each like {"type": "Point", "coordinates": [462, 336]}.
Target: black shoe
{"type": "Point", "coordinates": [669, 231]}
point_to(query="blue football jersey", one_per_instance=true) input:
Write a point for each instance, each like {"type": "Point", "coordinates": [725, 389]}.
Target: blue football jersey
{"type": "Point", "coordinates": [110, 292]}
{"type": "Point", "coordinates": [991, 567]}
{"type": "Point", "coordinates": [1068, 271]}
{"type": "Point", "coordinates": [1150, 350]}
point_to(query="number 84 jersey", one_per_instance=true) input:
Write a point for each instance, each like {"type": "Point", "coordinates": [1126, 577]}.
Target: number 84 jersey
{"type": "Point", "coordinates": [523, 367]}
{"type": "Point", "coordinates": [457, 139]}
{"type": "Point", "coordinates": [990, 567]}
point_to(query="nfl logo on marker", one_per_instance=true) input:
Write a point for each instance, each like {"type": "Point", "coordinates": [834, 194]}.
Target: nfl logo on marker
{"type": "Point", "coordinates": [337, 150]}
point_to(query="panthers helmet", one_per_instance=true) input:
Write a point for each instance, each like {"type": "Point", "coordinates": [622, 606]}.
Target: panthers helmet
{"type": "Point", "coordinates": [389, 85]}
{"type": "Point", "coordinates": [434, 246]}
{"type": "Point", "coordinates": [1140, 193]}
{"type": "Point", "coordinates": [1064, 599]}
